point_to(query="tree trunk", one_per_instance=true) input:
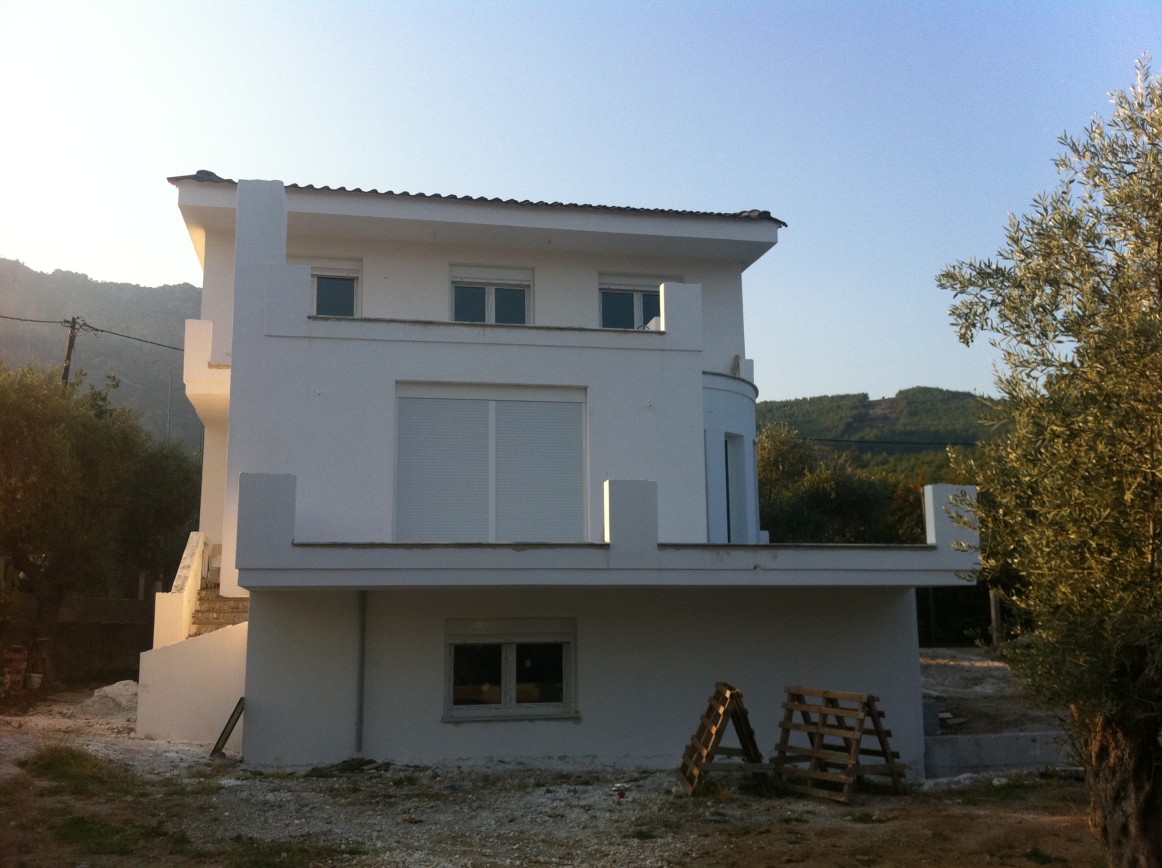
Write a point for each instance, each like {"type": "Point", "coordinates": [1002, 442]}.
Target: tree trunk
{"type": "Point", "coordinates": [1124, 776]}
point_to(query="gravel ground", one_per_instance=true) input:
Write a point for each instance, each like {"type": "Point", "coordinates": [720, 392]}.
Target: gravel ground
{"type": "Point", "coordinates": [512, 813]}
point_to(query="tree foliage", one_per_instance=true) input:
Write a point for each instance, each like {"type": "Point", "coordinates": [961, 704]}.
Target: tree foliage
{"type": "Point", "coordinates": [1071, 490]}
{"type": "Point", "coordinates": [87, 499]}
{"type": "Point", "coordinates": [812, 495]}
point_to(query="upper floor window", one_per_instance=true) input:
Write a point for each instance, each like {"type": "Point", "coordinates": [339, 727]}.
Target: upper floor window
{"type": "Point", "coordinates": [335, 285]}
{"type": "Point", "coordinates": [507, 305]}
{"type": "Point", "coordinates": [335, 295]}
{"type": "Point", "coordinates": [630, 302]}
{"type": "Point", "coordinates": [487, 294]}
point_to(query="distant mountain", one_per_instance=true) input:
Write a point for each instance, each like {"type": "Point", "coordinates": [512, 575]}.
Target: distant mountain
{"type": "Point", "coordinates": [905, 436]}
{"type": "Point", "coordinates": [151, 376]}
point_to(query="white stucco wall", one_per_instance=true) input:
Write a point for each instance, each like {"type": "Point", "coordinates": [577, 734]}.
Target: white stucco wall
{"type": "Point", "coordinates": [187, 690]}
{"type": "Point", "coordinates": [218, 294]}
{"type": "Point", "coordinates": [301, 665]}
{"type": "Point", "coordinates": [293, 378]}
{"type": "Point", "coordinates": [646, 662]}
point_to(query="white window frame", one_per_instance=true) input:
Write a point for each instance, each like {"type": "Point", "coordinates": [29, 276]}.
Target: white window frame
{"type": "Point", "coordinates": [341, 268]}
{"type": "Point", "coordinates": [492, 278]}
{"type": "Point", "coordinates": [638, 286]}
{"type": "Point", "coordinates": [508, 633]}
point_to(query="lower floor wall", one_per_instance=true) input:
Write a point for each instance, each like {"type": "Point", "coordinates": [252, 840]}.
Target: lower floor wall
{"type": "Point", "coordinates": [335, 673]}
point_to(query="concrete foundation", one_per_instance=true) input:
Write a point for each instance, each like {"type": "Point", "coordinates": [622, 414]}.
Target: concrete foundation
{"type": "Point", "coordinates": [947, 756]}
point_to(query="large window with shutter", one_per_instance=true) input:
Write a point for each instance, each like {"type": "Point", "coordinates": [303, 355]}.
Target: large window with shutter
{"type": "Point", "coordinates": [471, 468]}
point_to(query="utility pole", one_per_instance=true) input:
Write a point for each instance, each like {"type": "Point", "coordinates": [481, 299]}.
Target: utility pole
{"type": "Point", "coordinates": [69, 350]}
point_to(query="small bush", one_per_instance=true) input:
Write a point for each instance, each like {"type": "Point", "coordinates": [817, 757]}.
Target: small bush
{"type": "Point", "coordinates": [77, 771]}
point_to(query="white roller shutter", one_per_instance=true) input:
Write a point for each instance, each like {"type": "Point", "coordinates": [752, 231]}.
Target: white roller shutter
{"type": "Point", "coordinates": [538, 471]}
{"type": "Point", "coordinates": [442, 470]}
{"type": "Point", "coordinates": [472, 470]}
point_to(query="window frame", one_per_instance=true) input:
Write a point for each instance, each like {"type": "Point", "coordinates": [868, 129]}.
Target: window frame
{"type": "Point", "coordinates": [490, 288]}
{"type": "Point", "coordinates": [490, 278]}
{"type": "Point", "coordinates": [638, 286]}
{"type": "Point", "coordinates": [342, 272]}
{"type": "Point", "coordinates": [509, 633]}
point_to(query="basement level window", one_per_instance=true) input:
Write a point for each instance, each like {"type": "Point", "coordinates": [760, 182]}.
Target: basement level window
{"type": "Point", "coordinates": [509, 669]}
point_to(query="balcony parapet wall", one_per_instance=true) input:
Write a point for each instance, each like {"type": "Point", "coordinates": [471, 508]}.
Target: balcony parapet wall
{"type": "Point", "coordinates": [270, 557]}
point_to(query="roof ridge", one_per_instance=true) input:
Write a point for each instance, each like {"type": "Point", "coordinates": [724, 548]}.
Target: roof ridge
{"type": "Point", "coordinates": [205, 176]}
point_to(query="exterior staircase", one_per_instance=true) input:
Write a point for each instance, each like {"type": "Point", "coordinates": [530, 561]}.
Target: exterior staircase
{"type": "Point", "coordinates": [215, 611]}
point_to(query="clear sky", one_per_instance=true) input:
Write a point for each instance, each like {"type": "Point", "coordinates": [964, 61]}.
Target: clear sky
{"type": "Point", "coordinates": [892, 137]}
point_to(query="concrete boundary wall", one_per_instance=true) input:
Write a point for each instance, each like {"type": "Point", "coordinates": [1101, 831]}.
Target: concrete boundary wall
{"type": "Point", "coordinates": [947, 756]}
{"type": "Point", "coordinates": [187, 690]}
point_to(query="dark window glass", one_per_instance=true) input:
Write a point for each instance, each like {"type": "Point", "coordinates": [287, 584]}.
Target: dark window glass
{"type": "Point", "coordinates": [469, 304]}
{"type": "Point", "coordinates": [509, 305]}
{"type": "Point", "coordinates": [616, 310]}
{"type": "Point", "coordinates": [540, 672]}
{"type": "Point", "coordinates": [651, 307]}
{"type": "Point", "coordinates": [335, 296]}
{"type": "Point", "coordinates": [477, 674]}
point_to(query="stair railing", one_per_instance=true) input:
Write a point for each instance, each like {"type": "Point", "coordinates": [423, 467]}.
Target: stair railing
{"type": "Point", "coordinates": [173, 609]}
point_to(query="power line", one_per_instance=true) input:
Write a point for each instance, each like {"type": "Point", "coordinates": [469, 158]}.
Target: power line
{"type": "Point", "coordinates": [81, 325]}
{"type": "Point", "coordinates": [891, 442]}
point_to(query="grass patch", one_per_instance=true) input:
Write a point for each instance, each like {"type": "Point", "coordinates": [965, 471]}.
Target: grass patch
{"type": "Point", "coordinates": [77, 771]}
{"type": "Point", "coordinates": [1038, 856]}
{"type": "Point", "coordinates": [96, 837]}
{"type": "Point", "coordinates": [641, 834]}
{"type": "Point", "coordinates": [251, 853]}
{"type": "Point", "coordinates": [866, 817]}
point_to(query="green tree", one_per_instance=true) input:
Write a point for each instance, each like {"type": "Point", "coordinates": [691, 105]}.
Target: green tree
{"type": "Point", "coordinates": [1071, 490]}
{"type": "Point", "coordinates": [813, 495]}
{"type": "Point", "coordinates": [87, 499]}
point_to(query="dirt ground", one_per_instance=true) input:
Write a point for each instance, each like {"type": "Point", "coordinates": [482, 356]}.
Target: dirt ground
{"type": "Point", "coordinates": [162, 803]}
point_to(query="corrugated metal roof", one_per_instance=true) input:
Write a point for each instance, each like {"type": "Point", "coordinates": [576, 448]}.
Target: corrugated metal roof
{"type": "Point", "coordinates": [207, 177]}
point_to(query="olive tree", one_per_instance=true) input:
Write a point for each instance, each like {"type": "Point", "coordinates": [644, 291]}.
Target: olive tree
{"type": "Point", "coordinates": [1071, 488]}
{"type": "Point", "coordinates": [87, 498]}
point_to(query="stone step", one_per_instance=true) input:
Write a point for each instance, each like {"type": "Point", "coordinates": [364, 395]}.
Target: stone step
{"type": "Point", "coordinates": [211, 600]}
{"type": "Point", "coordinates": [202, 616]}
{"type": "Point", "coordinates": [215, 611]}
{"type": "Point", "coordinates": [203, 629]}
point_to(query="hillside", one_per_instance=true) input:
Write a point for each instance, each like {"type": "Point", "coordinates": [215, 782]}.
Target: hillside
{"type": "Point", "coordinates": [151, 376]}
{"type": "Point", "coordinates": [904, 436]}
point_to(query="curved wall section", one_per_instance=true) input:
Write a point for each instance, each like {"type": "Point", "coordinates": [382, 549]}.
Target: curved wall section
{"type": "Point", "coordinates": [728, 414]}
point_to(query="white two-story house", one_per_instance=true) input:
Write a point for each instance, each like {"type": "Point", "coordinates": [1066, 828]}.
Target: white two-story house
{"type": "Point", "coordinates": [486, 471]}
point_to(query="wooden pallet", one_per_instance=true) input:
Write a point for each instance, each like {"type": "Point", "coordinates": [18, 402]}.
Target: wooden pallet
{"type": "Point", "coordinates": [834, 726]}
{"type": "Point", "coordinates": [725, 707]}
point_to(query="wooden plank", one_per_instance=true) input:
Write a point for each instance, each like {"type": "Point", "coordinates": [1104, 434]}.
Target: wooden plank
{"type": "Point", "coordinates": [835, 710]}
{"type": "Point", "coordinates": [818, 792]}
{"type": "Point", "coordinates": [833, 694]}
{"type": "Point", "coordinates": [817, 729]}
{"type": "Point", "coordinates": [842, 757]}
{"type": "Point", "coordinates": [813, 774]}
{"type": "Point", "coordinates": [839, 731]}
